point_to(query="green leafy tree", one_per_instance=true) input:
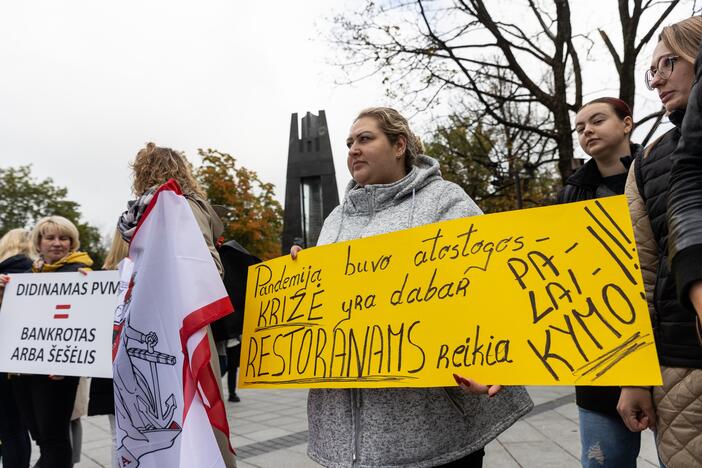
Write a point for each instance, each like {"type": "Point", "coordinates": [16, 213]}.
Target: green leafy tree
{"type": "Point", "coordinates": [24, 200]}
{"type": "Point", "coordinates": [496, 166]}
{"type": "Point", "coordinates": [253, 216]}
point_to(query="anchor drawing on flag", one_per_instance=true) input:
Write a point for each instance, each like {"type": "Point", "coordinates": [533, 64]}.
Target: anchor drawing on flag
{"type": "Point", "coordinates": [139, 409]}
{"type": "Point", "coordinates": [153, 408]}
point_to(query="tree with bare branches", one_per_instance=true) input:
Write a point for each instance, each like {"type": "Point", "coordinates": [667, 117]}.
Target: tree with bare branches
{"type": "Point", "coordinates": [480, 57]}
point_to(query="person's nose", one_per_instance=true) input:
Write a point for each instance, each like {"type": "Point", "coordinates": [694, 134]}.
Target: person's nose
{"type": "Point", "coordinates": [354, 150]}
{"type": "Point", "coordinates": [657, 81]}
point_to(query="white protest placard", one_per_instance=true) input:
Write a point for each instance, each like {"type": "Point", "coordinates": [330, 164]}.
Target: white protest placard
{"type": "Point", "coordinates": [59, 323]}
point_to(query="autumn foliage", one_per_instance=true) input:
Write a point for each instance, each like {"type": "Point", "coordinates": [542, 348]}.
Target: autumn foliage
{"type": "Point", "coordinates": [253, 217]}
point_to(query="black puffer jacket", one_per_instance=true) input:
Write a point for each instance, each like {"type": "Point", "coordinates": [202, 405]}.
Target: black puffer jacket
{"type": "Point", "coordinates": [587, 183]}
{"type": "Point", "coordinates": [674, 325]}
{"type": "Point", "coordinates": [685, 199]}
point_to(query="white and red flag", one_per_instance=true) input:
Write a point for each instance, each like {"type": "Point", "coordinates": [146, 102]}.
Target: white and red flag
{"type": "Point", "coordinates": [167, 400]}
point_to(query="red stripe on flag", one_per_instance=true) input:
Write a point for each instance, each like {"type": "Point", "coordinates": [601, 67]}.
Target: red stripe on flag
{"type": "Point", "coordinates": [63, 306]}
{"type": "Point", "coordinates": [204, 316]}
{"type": "Point", "coordinates": [60, 316]}
{"type": "Point", "coordinates": [201, 373]}
{"type": "Point", "coordinates": [172, 186]}
{"type": "Point", "coordinates": [201, 357]}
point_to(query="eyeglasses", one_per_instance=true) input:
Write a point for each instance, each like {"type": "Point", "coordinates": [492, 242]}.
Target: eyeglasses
{"type": "Point", "coordinates": [663, 70]}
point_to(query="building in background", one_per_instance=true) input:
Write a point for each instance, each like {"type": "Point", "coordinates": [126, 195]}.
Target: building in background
{"type": "Point", "coordinates": [310, 189]}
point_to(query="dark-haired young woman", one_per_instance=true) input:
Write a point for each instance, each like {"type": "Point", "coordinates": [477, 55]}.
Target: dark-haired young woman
{"type": "Point", "coordinates": [604, 128]}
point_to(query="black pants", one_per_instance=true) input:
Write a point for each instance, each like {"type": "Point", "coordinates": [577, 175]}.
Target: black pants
{"type": "Point", "coordinates": [16, 448]}
{"type": "Point", "coordinates": [233, 355]}
{"type": "Point", "coordinates": [472, 460]}
{"type": "Point", "coordinates": [46, 406]}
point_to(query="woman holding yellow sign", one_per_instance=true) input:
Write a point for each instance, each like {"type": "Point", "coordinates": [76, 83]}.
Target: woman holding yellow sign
{"type": "Point", "coordinates": [395, 187]}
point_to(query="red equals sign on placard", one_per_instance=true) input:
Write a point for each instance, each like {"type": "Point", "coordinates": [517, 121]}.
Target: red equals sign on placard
{"type": "Point", "coordinates": [62, 315]}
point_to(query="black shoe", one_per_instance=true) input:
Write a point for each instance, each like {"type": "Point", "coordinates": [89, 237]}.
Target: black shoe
{"type": "Point", "coordinates": [234, 398]}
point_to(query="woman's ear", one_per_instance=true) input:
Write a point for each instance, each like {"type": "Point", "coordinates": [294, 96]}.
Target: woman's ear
{"type": "Point", "coordinates": [400, 147]}
{"type": "Point", "coordinates": [628, 125]}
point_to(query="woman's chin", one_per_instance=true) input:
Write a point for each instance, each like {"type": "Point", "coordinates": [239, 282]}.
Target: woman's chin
{"type": "Point", "coordinates": [674, 104]}
{"type": "Point", "coordinates": [360, 177]}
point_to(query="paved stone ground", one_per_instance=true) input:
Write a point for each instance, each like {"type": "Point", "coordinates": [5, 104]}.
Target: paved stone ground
{"type": "Point", "coordinates": [269, 429]}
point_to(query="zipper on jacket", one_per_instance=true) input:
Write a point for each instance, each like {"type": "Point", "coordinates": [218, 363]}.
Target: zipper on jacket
{"type": "Point", "coordinates": [656, 319]}
{"type": "Point", "coordinates": [371, 202]}
{"type": "Point", "coordinates": [356, 421]}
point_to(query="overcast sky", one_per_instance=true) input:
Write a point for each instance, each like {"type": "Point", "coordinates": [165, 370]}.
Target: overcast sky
{"type": "Point", "coordinates": [84, 84]}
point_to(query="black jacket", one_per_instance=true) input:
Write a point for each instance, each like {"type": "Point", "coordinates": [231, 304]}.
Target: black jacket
{"type": "Point", "coordinates": [236, 261]}
{"type": "Point", "coordinates": [674, 325]}
{"type": "Point", "coordinates": [685, 196]}
{"type": "Point", "coordinates": [587, 183]}
{"type": "Point", "coordinates": [16, 264]}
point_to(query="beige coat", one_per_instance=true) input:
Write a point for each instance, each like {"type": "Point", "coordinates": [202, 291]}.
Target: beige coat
{"type": "Point", "coordinates": [678, 401]}
{"type": "Point", "coordinates": [80, 407]}
{"type": "Point", "coordinates": [211, 227]}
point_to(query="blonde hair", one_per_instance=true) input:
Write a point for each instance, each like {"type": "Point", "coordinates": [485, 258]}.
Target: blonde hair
{"type": "Point", "coordinates": [59, 224]}
{"type": "Point", "coordinates": [15, 242]}
{"type": "Point", "coordinates": [119, 249]}
{"type": "Point", "coordinates": [154, 165]}
{"type": "Point", "coordinates": [683, 38]}
{"type": "Point", "coordinates": [394, 126]}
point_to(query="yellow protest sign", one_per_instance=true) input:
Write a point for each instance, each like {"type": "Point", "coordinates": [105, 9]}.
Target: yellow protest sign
{"type": "Point", "coordinates": [545, 296]}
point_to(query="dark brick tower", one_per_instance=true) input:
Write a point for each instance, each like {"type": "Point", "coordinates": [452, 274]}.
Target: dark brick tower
{"type": "Point", "coordinates": [310, 190]}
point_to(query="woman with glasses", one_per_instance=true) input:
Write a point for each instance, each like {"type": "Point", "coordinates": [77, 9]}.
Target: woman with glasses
{"type": "Point", "coordinates": [675, 408]}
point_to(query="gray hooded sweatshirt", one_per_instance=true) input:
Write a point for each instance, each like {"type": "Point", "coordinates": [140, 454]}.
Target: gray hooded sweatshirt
{"type": "Point", "coordinates": [403, 427]}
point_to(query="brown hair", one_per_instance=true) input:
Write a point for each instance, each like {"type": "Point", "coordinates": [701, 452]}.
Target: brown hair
{"type": "Point", "coordinates": [63, 226]}
{"type": "Point", "coordinates": [394, 126]}
{"type": "Point", "coordinates": [154, 165]}
{"type": "Point", "coordinates": [619, 107]}
{"type": "Point", "coordinates": [683, 37]}
{"type": "Point", "coordinates": [119, 249]}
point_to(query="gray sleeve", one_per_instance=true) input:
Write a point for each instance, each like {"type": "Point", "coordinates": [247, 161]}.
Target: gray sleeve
{"type": "Point", "coordinates": [454, 203]}
{"type": "Point", "coordinates": [330, 227]}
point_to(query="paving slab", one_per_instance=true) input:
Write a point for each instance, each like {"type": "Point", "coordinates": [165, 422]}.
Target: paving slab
{"type": "Point", "coordinates": [269, 430]}
{"type": "Point", "coordinates": [542, 454]}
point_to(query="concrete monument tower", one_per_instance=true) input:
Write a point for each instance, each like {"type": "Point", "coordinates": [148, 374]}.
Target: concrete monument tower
{"type": "Point", "coordinates": [310, 190]}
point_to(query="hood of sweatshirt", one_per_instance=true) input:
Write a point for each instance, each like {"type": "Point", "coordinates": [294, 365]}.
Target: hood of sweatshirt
{"type": "Point", "coordinates": [363, 200]}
